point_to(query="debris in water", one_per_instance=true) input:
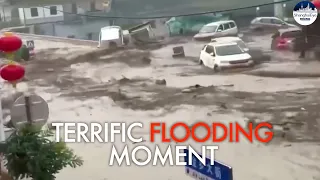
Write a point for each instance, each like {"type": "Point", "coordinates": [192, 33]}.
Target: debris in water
{"type": "Point", "coordinates": [161, 82]}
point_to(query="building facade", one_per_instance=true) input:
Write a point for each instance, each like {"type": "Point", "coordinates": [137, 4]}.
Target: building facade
{"type": "Point", "coordinates": [37, 15]}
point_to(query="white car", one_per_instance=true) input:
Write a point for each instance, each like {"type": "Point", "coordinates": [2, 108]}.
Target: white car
{"type": "Point", "coordinates": [217, 29]}
{"type": "Point", "coordinates": [219, 56]}
{"type": "Point", "coordinates": [269, 24]}
{"type": "Point", "coordinates": [111, 37]}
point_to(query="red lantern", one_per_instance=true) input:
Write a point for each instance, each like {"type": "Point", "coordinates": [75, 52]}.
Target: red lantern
{"type": "Point", "coordinates": [10, 43]}
{"type": "Point", "coordinates": [316, 4]}
{"type": "Point", "coordinates": [12, 73]}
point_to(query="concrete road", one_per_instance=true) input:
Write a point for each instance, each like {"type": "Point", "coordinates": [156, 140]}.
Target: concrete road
{"type": "Point", "coordinates": [122, 87]}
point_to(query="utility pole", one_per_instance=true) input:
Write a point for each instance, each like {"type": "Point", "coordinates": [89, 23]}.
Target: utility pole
{"type": "Point", "coordinates": [24, 17]}
{"type": "Point", "coordinates": [278, 9]}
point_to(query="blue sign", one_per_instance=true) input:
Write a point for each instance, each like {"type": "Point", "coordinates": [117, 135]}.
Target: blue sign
{"type": "Point", "coordinates": [197, 170]}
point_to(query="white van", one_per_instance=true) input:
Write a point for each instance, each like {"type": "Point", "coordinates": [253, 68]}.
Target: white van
{"type": "Point", "coordinates": [111, 37]}
{"type": "Point", "coordinates": [217, 29]}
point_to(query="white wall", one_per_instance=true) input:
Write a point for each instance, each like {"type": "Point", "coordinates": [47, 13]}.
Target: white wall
{"type": "Point", "coordinates": [43, 15]}
{"type": "Point", "coordinates": [5, 12]}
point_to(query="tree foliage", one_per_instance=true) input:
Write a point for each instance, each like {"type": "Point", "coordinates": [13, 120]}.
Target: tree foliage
{"type": "Point", "coordinates": [31, 154]}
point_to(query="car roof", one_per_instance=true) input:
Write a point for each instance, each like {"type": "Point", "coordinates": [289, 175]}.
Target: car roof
{"type": "Point", "coordinates": [267, 17]}
{"type": "Point", "coordinates": [222, 43]}
{"type": "Point", "coordinates": [219, 22]}
{"type": "Point", "coordinates": [289, 29]}
{"type": "Point", "coordinates": [110, 27]}
{"type": "Point", "coordinates": [226, 39]}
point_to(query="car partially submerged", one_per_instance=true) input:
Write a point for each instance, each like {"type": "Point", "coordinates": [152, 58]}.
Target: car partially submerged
{"type": "Point", "coordinates": [257, 54]}
{"type": "Point", "coordinates": [286, 39]}
{"type": "Point", "coordinates": [111, 37]}
{"type": "Point", "coordinates": [217, 29]}
{"type": "Point", "coordinates": [269, 24]}
{"type": "Point", "coordinates": [222, 55]}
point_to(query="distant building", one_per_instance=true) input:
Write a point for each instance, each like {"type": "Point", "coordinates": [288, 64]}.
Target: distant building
{"type": "Point", "coordinates": [45, 14]}
{"type": "Point", "coordinates": [26, 12]}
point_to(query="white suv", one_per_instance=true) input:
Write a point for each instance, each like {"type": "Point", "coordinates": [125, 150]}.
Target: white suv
{"type": "Point", "coordinates": [217, 29]}
{"type": "Point", "coordinates": [218, 56]}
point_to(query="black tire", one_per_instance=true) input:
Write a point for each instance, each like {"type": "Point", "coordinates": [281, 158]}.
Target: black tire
{"type": "Point", "coordinates": [258, 29]}
{"type": "Point", "coordinates": [112, 45]}
{"type": "Point", "coordinates": [216, 68]}
{"type": "Point", "coordinates": [200, 62]}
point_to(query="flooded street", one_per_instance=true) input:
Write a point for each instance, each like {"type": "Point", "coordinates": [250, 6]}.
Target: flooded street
{"type": "Point", "coordinates": [149, 86]}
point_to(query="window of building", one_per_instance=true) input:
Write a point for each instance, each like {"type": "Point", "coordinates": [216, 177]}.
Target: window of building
{"type": "Point", "coordinates": [34, 12]}
{"type": "Point", "coordinates": [53, 10]}
{"type": "Point", "coordinates": [92, 6]}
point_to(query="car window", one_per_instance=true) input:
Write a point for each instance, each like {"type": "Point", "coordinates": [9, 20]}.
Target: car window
{"type": "Point", "coordinates": [267, 21]}
{"type": "Point", "coordinates": [209, 49]}
{"type": "Point", "coordinates": [220, 27]}
{"type": "Point", "coordinates": [228, 50]}
{"type": "Point", "coordinates": [255, 21]}
{"type": "Point", "coordinates": [208, 29]}
{"type": "Point", "coordinates": [276, 21]}
{"type": "Point", "coordinates": [291, 34]}
{"type": "Point", "coordinates": [204, 47]}
{"type": "Point", "coordinates": [226, 26]}
{"type": "Point", "coordinates": [232, 25]}
{"type": "Point", "coordinates": [241, 44]}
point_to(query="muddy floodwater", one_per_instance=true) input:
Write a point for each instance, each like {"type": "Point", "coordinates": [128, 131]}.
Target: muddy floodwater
{"type": "Point", "coordinates": [151, 86]}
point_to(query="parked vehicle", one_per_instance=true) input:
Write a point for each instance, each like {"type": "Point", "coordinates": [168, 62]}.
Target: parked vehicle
{"type": "Point", "coordinates": [268, 24]}
{"type": "Point", "coordinates": [217, 29]}
{"type": "Point", "coordinates": [192, 24]}
{"type": "Point", "coordinates": [285, 39]}
{"type": "Point", "coordinates": [111, 37]}
{"type": "Point", "coordinates": [257, 54]}
{"type": "Point", "coordinates": [218, 56]}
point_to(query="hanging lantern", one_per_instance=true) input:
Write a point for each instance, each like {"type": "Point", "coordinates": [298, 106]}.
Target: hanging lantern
{"type": "Point", "coordinates": [12, 73]}
{"type": "Point", "coordinates": [10, 43]}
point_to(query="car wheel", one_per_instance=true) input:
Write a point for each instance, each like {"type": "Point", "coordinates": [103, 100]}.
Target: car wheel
{"type": "Point", "coordinates": [112, 45]}
{"type": "Point", "coordinates": [216, 68]}
{"type": "Point", "coordinates": [258, 29]}
{"type": "Point", "coordinates": [200, 62]}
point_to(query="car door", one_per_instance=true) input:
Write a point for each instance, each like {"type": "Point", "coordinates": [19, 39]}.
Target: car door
{"type": "Point", "coordinates": [233, 28]}
{"type": "Point", "coordinates": [266, 24]}
{"type": "Point", "coordinates": [203, 55]}
{"type": "Point", "coordinates": [209, 56]}
{"type": "Point", "coordinates": [226, 30]}
{"type": "Point", "coordinates": [278, 24]}
{"type": "Point", "coordinates": [219, 32]}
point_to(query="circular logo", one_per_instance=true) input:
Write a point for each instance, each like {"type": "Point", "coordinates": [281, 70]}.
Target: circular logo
{"type": "Point", "coordinates": [305, 13]}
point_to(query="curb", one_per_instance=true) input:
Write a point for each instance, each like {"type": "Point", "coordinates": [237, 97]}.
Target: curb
{"type": "Point", "coordinates": [61, 39]}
